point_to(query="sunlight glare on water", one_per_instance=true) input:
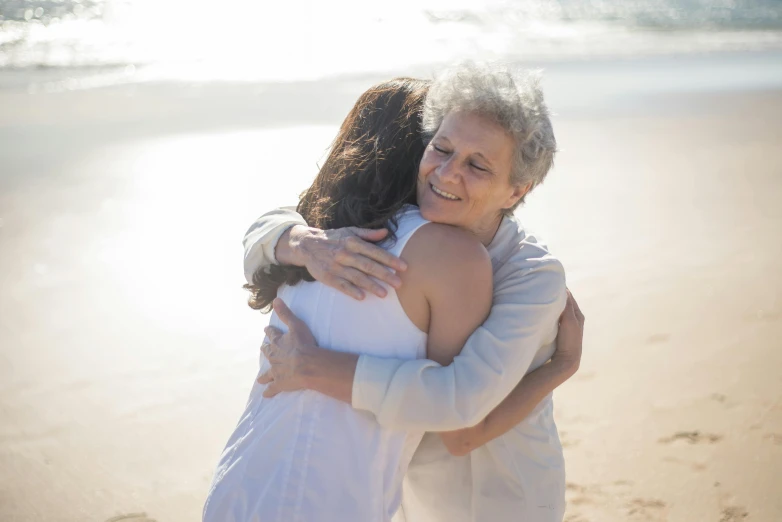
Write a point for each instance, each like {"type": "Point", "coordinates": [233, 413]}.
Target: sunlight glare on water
{"type": "Point", "coordinates": [246, 40]}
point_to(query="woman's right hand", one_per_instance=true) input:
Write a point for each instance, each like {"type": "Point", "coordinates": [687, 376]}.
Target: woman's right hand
{"type": "Point", "coordinates": [344, 258]}
{"type": "Point", "coordinates": [297, 362]}
{"type": "Point", "coordinates": [570, 336]}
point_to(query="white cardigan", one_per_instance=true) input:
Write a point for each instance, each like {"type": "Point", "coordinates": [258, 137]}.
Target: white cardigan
{"type": "Point", "coordinates": [518, 476]}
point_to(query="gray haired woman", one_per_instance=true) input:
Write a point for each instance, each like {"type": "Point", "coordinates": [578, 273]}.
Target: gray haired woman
{"type": "Point", "coordinates": [490, 143]}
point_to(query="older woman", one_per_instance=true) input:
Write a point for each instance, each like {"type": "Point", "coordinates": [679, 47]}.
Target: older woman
{"type": "Point", "coordinates": [490, 143]}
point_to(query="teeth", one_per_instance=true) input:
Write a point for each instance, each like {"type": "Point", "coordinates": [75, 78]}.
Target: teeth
{"type": "Point", "coordinates": [444, 194]}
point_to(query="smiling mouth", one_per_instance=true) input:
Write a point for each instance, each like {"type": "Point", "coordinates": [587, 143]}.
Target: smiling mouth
{"type": "Point", "coordinates": [443, 194]}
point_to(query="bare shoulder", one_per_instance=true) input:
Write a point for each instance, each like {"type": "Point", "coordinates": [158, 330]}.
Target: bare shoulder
{"type": "Point", "coordinates": [442, 256]}
{"type": "Point", "coordinates": [447, 285]}
{"type": "Point", "coordinates": [444, 247]}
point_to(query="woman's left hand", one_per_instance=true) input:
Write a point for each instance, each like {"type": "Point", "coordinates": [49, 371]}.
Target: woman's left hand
{"type": "Point", "coordinates": [288, 353]}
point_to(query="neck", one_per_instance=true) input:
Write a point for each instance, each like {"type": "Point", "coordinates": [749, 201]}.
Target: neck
{"type": "Point", "coordinates": [487, 230]}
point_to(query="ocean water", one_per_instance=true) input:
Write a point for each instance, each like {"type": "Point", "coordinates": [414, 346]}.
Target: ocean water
{"type": "Point", "coordinates": [115, 41]}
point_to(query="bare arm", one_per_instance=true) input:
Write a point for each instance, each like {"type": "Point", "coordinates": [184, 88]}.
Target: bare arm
{"type": "Point", "coordinates": [453, 270]}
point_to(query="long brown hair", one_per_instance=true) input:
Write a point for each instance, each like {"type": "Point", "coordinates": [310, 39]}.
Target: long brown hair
{"type": "Point", "coordinates": [368, 176]}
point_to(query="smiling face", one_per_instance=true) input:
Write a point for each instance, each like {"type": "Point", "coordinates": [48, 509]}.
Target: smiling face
{"type": "Point", "coordinates": [464, 175]}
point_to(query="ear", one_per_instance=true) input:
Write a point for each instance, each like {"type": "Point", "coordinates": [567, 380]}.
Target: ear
{"type": "Point", "coordinates": [518, 192]}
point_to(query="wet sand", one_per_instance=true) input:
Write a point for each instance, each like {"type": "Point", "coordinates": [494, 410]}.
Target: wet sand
{"type": "Point", "coordinates": [127, 350]}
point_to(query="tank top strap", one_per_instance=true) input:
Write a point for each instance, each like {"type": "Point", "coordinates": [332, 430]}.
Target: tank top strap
{"type": "Point", "coordinates": [408, 220]}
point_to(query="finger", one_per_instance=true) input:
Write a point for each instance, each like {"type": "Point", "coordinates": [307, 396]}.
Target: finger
{"type": "Point", "coordinates": [369, 234]}
{"type": "Point", "coordinates": [286, 315]}
{"type": "Point", "coordinates": [363, 281]}
{"type": "Point", "coordinates": [568, 313]}
{"type": "Point", "coordinates": [265, 377]}
{"type": "Point", "coordinates": [371, 268]}
{"type": "Point", "coordinates": [346, 287]}
{"type": "Point", "coordinates": [576, 309]}
{"type": "Point", "coordinates": [382, 256]}
{"type": "Point", "coordinates": [267, 349]}
{"type": "Point", "coordinates": [579, 313]}
{"type": "Point", "coordinates": [568, 316]}
{"type": "Point", "coordinates": [273, 334]}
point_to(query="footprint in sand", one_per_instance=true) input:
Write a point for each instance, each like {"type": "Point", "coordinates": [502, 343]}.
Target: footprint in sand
{"type": "Point", "coordinates": [695, 466]}
{"type": "Point", "coordinates": [730, 511]}
{"type": "Point", "coordinates": [584, 495]}
{"type": "Point", "coordinates": [724, 400]}
{"type": "Point", "coordinates": [131, 517]}
{"type": "Point", "coordinates": [585, 376]}
{"type": "Point", "coordinates": [567, 441]}
{"type": "Point", "coordinates": [762, 316]}
{"type": "Point", "coordinates": [580, 501]}
{"type": "Point", "coordinates": [584, 490]}
{"type": "Point", "coordinates": [648, 508]}
{"type": "Point", "coordinates": [719, 397]}
{"type": "Point", "coordinates": [658, 338]}
{"type": "Point", "coordinates": [775, 438]}
{"type": "Point", "coordinates": [579, 495]}
{"type": "Point", "coordinates": [615, 498]}
{"type": "Point", "coordinates": [733, 514]}
{"type": "Point", "coordinates": [691, 437]}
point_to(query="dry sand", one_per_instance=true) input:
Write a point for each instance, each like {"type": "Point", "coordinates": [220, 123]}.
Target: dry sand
{"type": "Point", "coordinates": [126, 350]}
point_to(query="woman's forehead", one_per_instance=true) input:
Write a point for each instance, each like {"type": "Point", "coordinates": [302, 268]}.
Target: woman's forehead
{"type": "Point", "coordinates": [471, 129]}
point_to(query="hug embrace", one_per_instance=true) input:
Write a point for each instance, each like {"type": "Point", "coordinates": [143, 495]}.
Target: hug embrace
{"type": "Point", "coordinates": [418, 329]}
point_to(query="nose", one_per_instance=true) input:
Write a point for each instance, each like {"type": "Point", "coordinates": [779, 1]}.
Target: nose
{"type": "Point", "coordinates": [448, 171]}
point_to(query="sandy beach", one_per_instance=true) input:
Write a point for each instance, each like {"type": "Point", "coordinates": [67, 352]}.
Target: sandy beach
{"type": "Point", "coordinates": [127, 349]}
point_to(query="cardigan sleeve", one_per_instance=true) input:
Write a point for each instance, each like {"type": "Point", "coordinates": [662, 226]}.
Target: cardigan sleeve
{"type": "Point", "coordinates": [529, 296]}
{"type": "Point", "coordinates": [261, 239]}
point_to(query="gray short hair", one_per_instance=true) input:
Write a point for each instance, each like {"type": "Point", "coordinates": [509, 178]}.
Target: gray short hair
{"type": "Point", "coordinates": [511, 98]}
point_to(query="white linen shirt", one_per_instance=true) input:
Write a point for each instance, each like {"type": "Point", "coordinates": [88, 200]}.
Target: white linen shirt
{"type": "Point", "coordinates": [517, 476]}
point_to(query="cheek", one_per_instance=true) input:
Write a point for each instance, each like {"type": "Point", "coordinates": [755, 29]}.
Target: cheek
{"type": "Point", "coordinates": [426, 166]}
{"type": "Point", "coordinates": [478, 188]}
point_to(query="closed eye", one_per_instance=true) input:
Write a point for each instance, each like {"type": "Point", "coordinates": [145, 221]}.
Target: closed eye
{"type": "Point", "coordinates": [440, 149]}
{"type": "Point", "coordinates": [478, 167]}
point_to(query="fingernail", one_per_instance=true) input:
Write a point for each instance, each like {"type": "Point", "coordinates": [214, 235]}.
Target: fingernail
{"type": "Point", "coordinates": [396, 282]}
{"type": "Point", "coordinates": [402, 265]}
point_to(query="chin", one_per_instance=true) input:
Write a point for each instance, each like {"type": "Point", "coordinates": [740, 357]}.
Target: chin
{"type": "Point", "coordinates": [436, 215]}
{"type": "Point", "coordinates": [428, 212]}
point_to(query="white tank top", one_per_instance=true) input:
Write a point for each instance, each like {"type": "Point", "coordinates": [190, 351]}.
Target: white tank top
{"type": "Point", "coordinates": [305, 457]}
